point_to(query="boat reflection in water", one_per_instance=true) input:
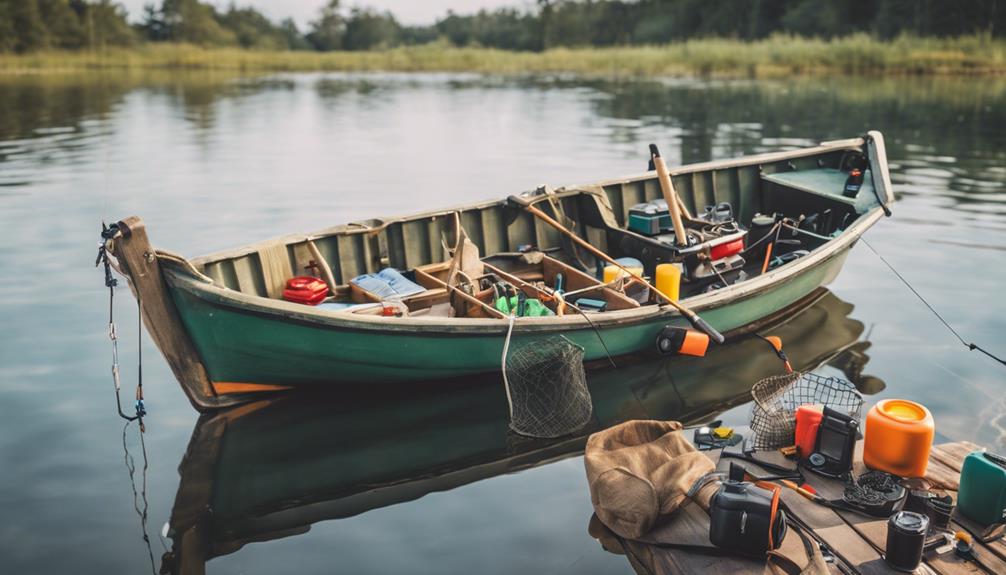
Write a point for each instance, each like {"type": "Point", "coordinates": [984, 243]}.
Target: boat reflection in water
{"type": "Point", "coordinates": [270, 469]}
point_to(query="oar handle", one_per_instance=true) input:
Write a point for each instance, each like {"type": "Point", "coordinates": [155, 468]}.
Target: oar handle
{"type": "Point", "coordinates": [670, 196]}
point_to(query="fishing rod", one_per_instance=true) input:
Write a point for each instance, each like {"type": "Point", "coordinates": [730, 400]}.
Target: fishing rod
{"type": "Point", "coordinates": [970, 345]}
{"type": "Point", "coordinates": [690, 315]}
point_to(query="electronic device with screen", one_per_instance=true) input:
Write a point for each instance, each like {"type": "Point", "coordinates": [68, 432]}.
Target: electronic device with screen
{"type": "Point", "coordinates": [835, 444]}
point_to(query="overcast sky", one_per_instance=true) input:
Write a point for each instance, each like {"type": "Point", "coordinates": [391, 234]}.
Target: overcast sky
{"type": "Point", "coordinates": [303, 11]}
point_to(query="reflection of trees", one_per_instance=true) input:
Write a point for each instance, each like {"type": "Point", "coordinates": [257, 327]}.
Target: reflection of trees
{"type": "Point", "coordinates": [31, 106]}
{"type": "Point", "coordinates": [35, 103]}
{"type": "Point", "coordinates": [735, 118]}
{"type": "Point", "coordinates": [32, 103]}
{"type": "Point", "coordinates": [718, 119]}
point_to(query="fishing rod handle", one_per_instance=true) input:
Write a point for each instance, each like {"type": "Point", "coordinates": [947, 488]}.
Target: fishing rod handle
{"type": "Point", "coordinates": [708, 329]}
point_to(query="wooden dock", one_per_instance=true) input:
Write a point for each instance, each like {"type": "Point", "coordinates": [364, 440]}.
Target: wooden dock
{"type": "Point", "coordinates": [856, 541]}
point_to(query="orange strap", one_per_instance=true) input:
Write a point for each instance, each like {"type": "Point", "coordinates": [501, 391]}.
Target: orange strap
{"type": "Point", "coordinates": [776, 491]}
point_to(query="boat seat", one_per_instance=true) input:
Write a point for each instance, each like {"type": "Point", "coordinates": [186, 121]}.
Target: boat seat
{"type": "Point", "coordinates": [805, 191]}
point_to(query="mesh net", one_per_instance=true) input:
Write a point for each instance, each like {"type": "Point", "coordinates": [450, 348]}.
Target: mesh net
{"type": "Point", "coordinates": [546, 387]}
{"type": "Point", "coordinates": [773, 415]}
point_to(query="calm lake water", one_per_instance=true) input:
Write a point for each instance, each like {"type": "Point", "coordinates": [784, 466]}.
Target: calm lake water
{"type": "Point", "coordinates": [430, 483]}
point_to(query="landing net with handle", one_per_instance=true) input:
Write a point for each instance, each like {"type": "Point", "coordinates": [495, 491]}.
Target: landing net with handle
{"type": "Point", "coordinates": [546, 386]}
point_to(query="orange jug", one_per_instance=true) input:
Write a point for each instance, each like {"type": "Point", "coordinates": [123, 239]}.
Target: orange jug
{"type": "Point", "coordinates": [808, 420]}
{"type": "Point", "coordinates": [898, 437]}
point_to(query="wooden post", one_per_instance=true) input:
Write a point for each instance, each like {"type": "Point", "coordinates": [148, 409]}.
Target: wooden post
{"type": "Point", "coordinates": [139, 262]}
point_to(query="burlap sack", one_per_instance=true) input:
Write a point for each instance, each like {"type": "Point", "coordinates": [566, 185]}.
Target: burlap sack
{"type": "Point", "coordinates": [640, 471]}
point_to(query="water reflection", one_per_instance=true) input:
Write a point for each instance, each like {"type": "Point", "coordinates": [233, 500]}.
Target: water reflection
{"type": "Point", "coordinates": [271, 469]}
{"type": "Point", "coordinates": [215, 161]}
{"type": "Point", "coordinates": [53, 117]}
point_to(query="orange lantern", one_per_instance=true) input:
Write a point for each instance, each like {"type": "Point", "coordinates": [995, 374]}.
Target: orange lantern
{"type": "Point", "coordinates": [898, 437]}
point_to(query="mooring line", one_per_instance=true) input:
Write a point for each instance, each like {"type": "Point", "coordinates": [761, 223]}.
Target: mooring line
{"type": "Point", "coordinates": [141, 511]}
{"type": "Point", "coordinates": [970, 345]}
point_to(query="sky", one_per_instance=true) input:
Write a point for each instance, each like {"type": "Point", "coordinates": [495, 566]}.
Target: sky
{"type": "Point", "coordinates": [303, 11]}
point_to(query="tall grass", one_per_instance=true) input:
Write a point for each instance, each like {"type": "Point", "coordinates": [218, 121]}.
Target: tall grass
{"type": "Point", "coordinates": [777, 56]}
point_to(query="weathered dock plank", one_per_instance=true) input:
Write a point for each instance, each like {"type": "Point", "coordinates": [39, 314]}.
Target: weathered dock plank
{"type": "Point", "coordinates": [856, 540]}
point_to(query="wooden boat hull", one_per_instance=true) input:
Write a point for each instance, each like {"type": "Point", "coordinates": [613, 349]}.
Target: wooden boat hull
{"type": "Point", "coordinates": [266, 347]}
{"type": "Point", "coordinates": [226, 332]}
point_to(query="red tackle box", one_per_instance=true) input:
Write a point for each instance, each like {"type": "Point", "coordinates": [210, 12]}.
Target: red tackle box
{"type": "Point", "coordinates": [306, 290]}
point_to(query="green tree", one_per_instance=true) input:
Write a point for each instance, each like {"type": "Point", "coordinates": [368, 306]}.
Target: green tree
{"type": "Point", "coordinates": [194, 22]}
{"type": "Point", "coordinates": [813, 18]}
{"type": "Point", "coordinates": [25, 22]}
{"type": "Point", "coordinates": [252, 29]}
{"type": "Point", "coordinates": [367, 29]}
{"type": "Point", "coordinates": [292, 36]}
{"type": "Point", "coordinates": [153, 27]}
{"type": "Point", "coordinates": [414, 35]}
{"type": "Point", "coordinates": [104, 24]}
{"type": "Point", "coordinates": [63, 24]}
{"type": "Point", "coordinates": [330, 27]}
{"type": "Point", "coordinates": [766, 17]}
{"type": "Point", "coordinates": [8, 36]}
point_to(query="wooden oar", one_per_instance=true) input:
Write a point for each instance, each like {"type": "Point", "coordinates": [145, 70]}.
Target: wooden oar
{"type": "Point", "coordinates": [693, 317]}
{"type": "Point", "coordinates": [670, 197]}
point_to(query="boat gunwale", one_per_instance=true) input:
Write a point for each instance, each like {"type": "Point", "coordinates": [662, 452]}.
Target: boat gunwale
{"type": "Point", "coordinates": [352, 228]}
{"type": "Point", "coordinates": [288, 311]}
{"type": "Point", "coordinates": [213, 293]}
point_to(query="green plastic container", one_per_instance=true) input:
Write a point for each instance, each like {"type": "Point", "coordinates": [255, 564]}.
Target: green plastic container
{"type": "Point", "coordinates": [982, 494]}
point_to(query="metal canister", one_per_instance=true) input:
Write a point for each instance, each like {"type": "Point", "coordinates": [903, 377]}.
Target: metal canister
{"type": "Point", "coordinates": [761, 225]}
{"type": "Point", "coordinates": [906, 537]}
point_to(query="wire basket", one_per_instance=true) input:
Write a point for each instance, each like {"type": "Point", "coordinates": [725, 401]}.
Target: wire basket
{"type": "Point", "coordinates": [773, 415]}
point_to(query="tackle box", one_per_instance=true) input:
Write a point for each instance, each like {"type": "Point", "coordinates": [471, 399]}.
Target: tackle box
{"type": "Point", "coordinates": [650, 218]}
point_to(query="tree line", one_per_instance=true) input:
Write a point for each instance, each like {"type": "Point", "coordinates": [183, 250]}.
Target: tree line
{"type": "Point", "coordinates": [29, 25]}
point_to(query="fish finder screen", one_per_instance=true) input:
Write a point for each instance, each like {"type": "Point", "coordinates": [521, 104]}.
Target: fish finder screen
{"type": "Point", "coordinates": [832, 443]}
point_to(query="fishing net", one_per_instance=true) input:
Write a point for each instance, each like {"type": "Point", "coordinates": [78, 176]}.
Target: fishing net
{"type": "Point", "coordinates": [773, 415]}
{"type": "Point", "coordinates": [546, 387]}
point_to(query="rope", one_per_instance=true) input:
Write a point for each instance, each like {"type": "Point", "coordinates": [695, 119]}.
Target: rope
{"type": "Point", "coordinates": [107, 233]}
{"type": "Point", "coordinates": [141, 410]}
{"type": "Point", "coordinates": [970, 345]}
{"type": "Point", "coordinates": [506, 348]}
{"type": "Point", "coordinates": [807, 233]}
{"type": "Point", "coordinates": [141, 512]}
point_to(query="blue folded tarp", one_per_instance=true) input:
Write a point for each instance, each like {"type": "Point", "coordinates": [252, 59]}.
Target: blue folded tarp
{"type": "Point", "coordinates": [387, 284]}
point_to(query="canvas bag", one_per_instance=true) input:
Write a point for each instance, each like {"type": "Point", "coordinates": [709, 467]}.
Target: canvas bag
{"type": "Point", "coordinates": [640, 471]}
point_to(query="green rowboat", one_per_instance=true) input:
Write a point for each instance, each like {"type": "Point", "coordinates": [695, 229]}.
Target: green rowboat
{"type": "Point", "coordinates": [228, 334]}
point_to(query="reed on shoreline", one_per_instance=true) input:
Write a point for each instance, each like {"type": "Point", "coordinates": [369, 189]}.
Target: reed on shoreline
{"type": "Point", "coordinates": [773, 57]}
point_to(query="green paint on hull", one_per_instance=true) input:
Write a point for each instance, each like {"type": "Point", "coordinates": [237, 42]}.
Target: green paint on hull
{"type": "Point", "coordinates": [237, 345]}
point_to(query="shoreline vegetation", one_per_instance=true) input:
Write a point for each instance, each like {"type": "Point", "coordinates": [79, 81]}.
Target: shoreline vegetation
{"type": "Point", "coordinates": [606, 38]}
{"type": "Point", "coordinates": [776, 56]}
